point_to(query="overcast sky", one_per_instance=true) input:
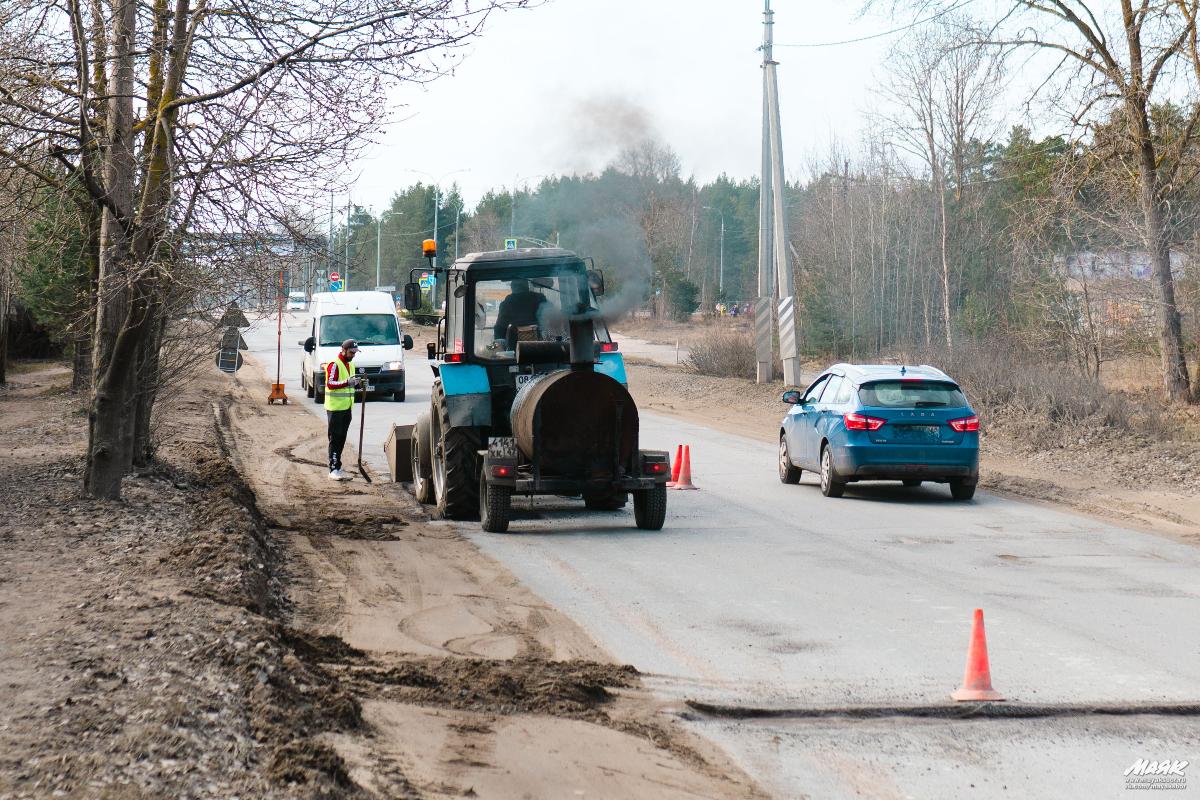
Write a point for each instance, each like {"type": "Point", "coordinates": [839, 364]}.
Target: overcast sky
{"type": "Point", "coordinates": [556, 89]}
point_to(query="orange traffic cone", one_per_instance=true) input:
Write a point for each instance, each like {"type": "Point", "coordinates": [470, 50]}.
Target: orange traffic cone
{"type": "Point", "coordinates": [685, 470]}
{"type": "Point", "coordinates": [675, 467]}
{"type": "Point", "coordinates": [977, 679]}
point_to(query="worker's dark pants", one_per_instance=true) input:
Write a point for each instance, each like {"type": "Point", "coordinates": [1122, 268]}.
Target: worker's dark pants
{"type": "Point", "coordinates": [339, 424]}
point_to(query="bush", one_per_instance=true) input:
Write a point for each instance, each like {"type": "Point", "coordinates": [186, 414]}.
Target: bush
{"type": "Point", "coordinates": [723, 353]}
{"type": "Point", "coordinates": [1001, 379]}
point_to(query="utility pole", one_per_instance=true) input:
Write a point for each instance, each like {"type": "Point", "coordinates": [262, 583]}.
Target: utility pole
{"type": "Point", "coordinates": [346, 277]}
{"type": "Point", "coordinates": [774, 267]}
{"type": "Point", "coordinates": [329, 243]}
{"type": "Point", "coordinates": [437, 201]}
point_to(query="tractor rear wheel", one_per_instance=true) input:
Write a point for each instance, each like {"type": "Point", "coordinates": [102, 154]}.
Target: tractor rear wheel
{"type": "Point", "coordinates": [495, 506]}
{"type": "Point", "coordinates": [422, 466]}
{"type": "Point", "coordinates": [455, 457]}
{"type": "Point", "coordinates": [650, 508]}
{"type": "Point", "coordinates": [605, 501]}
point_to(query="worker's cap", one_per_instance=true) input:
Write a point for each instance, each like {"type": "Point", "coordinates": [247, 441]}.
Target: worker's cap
{"type": "Point", "coordinates": [349, 344]}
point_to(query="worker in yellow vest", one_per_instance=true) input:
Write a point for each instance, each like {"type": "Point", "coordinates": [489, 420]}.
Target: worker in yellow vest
{"type": "Point", "coordinates": [340, 382]}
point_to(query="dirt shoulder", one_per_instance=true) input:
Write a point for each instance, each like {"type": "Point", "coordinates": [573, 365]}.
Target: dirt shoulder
{"type": "Point", "coordinates": [282, 636]}
{"type": "Point", "coordinates": [1127, 479]}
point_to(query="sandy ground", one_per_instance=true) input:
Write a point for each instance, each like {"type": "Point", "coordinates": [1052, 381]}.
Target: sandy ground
{"type": "Point", "coordinates": [470, 684]}
{"type": "Point", "coordinates": [1154, 486]}
{"type": "Point", "coordinates": [284, 636]}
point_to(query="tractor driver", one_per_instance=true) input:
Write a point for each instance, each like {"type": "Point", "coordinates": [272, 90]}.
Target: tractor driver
{"type": "Point", "coordinates": [519, 308]}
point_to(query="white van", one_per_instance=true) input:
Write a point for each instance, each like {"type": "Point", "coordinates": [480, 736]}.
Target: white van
{"type": "Point", "coordinates": [297, 300]}
{"type": "Point", "coordinates": [368, 318]}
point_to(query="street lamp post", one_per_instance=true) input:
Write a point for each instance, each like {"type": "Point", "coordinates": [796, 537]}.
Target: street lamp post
{"type": "Point", "coordinates": [721, 269]}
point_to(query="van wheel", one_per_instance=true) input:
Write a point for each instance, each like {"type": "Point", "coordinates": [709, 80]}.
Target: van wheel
{"type": "Point", "coordinates": [911, 482]}
{"type": "Point", "coordinates": [308, 385]}
{"type": "Point", "coordinates": [398, 396]}
{"type": "Point", "coordinates": [318, 393]}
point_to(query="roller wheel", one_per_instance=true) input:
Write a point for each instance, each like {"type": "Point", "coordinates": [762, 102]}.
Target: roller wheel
{"type": "Point", "coordinates": [455, 459]}
{"type": "Point", "coordinates": [650, 508]}
{"type": "Point", "coordinates": [605, 501]}
{"type": "Point", "coordinates": [422, 466]}
{"type": "Point", "coordinates": [495, 505]}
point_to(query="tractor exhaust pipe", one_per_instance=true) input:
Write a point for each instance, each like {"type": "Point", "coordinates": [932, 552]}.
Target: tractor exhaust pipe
{"type": "Point", "coordinates": [583, 344]}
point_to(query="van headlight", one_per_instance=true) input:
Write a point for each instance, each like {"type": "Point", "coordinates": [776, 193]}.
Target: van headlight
{"type": "Point", "coordinates": [394, 366]}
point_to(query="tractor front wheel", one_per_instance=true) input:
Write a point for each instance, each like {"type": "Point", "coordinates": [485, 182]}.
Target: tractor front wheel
{"type": "Point", "coordinates": [456, 466]}
{"type": "Point", "coordinates": [422, 466]}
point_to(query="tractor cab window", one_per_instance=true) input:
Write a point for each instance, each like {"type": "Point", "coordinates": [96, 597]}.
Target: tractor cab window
{"type": "Point", "coordinates": [514, 310]}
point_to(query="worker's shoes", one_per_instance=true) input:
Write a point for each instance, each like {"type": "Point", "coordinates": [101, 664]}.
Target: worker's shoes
{"type": "Point", "coordinates": [338, 475]}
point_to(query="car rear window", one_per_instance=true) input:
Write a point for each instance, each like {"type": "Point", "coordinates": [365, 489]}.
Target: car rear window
{"type": "Point", "coordinates": [911, 394]}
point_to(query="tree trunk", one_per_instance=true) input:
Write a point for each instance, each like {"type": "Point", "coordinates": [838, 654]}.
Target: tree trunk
{"type": "Point", "coordinates": [945, 267]}
{"type": "Point", "coordinates": [147, 387]}
{"type": "Point", "coordinates": [116, 342]}
{"type": "Point", "coordinates": [5, 307]}
{"type": "Point", "coordinates": [1158, 242]}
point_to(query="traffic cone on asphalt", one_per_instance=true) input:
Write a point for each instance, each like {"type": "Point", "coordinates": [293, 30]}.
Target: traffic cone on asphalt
{"type": "Point", "coordinates": [675, 466]}
{"type": "Point", "coordinates": [685, 470]}
{"type": "Point", "coordinates": [977, 679]}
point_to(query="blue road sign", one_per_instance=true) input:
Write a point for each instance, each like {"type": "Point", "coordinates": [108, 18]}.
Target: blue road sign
{"type": "Point", "coordinates": [510, 244]}
{"type": "Point", "coordinates": [335, 286]}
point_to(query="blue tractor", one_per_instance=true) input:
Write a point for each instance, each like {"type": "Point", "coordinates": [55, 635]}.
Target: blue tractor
{"type": "Point", "coordinates": [529, 395]}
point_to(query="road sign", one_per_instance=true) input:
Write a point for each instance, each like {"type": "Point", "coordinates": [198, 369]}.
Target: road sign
{"type": "Point", "coordinates": [333, 276]}
{"type": "Point", "coordinates": [510, 244]}
{"type": "Point", "coordinates": [335, 286]}
{"type": "Point", "coordinates": [229, 360]}
{"type": "Point", "coordinates": [427, 281]}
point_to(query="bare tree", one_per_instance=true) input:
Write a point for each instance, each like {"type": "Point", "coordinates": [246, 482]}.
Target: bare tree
{"type": "Point", "coordinates": [194, 114]}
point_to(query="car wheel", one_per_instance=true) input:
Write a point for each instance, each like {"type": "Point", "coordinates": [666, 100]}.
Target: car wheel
{"type": "Point", "coordinates": [830, 485]}
{"type": "Point", "coordinates": [961, 490]}
{"type": "Point", "coordinates": [788, 472]}
{"type": "Point", "coordinates": [912, 482]}
{"type": "Point", "coordinates": [398, 396]}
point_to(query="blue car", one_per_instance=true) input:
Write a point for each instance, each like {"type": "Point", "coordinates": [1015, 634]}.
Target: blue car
{"type": "Point", "coordinates": [881, 422]}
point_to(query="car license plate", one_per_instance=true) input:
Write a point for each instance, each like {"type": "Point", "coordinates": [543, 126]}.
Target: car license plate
{"type": "Point", "coordinates": [919, 433]}
{"type": "Point", "coordinates": [523, 379]}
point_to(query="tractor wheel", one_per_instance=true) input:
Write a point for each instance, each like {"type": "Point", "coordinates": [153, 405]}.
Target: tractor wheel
{"type": "Point", "coordinates": [422, 466]}
{"type": "Point", "coordinates": [495, 506]}
{"type": "Point", "coordinates": [650, 508]}
{"type": "Point", "coordinates": [605, 501]}
{"type": "Point", "coordinates": [455, 457]}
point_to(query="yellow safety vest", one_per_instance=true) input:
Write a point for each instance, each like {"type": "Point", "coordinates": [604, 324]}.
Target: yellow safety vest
{"type": "Point", "coordinates": [340, 399]}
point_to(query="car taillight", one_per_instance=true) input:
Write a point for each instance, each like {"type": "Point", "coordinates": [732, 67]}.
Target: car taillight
{"type": "Point", "coordinates": [861, 422]}
{"type": "Point", "coordinates": [454, 358]}
{"type": "Point", "coordinates": [608, 347]}
{"type": "Point", "coordinates": [965, 425]}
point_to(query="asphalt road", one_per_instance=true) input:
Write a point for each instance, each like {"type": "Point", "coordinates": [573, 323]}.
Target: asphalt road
{"type": "Point", "coordinates": [758, 594]}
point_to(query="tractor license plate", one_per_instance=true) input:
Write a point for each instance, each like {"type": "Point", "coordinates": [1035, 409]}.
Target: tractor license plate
{"type": "Point", "coordinates": [523, 379]}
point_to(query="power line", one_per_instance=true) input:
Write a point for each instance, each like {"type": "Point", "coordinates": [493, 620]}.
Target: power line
{"type": "Point", "coordinates": [882, 34]}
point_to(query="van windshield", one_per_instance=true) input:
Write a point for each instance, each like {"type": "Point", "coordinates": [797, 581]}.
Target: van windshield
{"type": "Point", "coordinates": [366, 329]}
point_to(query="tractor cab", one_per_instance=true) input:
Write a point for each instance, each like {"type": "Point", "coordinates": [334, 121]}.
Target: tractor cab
{"type": "Point", "coordinates": [513, 313]}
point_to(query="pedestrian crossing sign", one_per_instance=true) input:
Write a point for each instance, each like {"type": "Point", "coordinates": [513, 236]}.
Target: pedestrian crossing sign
{"type": "Point", "coordinates": [510, 244]}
